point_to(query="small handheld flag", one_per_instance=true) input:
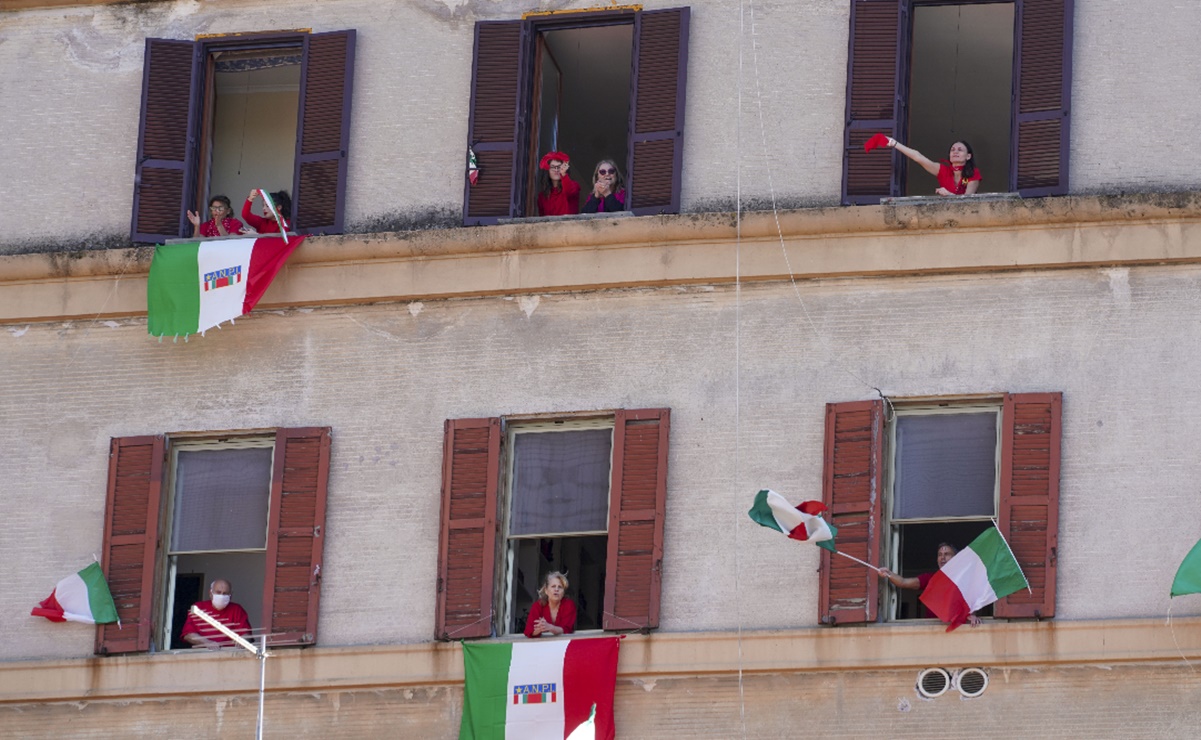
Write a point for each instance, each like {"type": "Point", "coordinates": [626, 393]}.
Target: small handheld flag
{"type": "Point", "coordinates": [876, 140]}
{"type": "Point", "coordinates": [802, 522]}
{"type": "Point", "coordinates": [1188, 575]}
{"type": "Point", "coordinates": [279, 219]}
{"type": "Point", "coordinates": [82, 597]}
{"type": "Point", "coordinates": [473, 166]}
{"type": "Point", "coordinates": [978, 575]}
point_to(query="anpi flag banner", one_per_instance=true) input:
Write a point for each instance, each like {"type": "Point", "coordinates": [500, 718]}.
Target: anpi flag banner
{"type": "Point", "coordinates": [538, 689]}
{"type": "Point", "coordinates": [803, 522]}
{"type": "Point", "coordinates": [82, 597]}
{"type": "Point", "coordinates": [978, 575]}
{"type": "Point", "coordinates": [194, 287]}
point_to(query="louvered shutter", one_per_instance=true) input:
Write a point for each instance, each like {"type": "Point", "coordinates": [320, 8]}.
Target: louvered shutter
{"type": "Point", "coordinates": [165, 170]}
{"type": "Point", "coordinates": [876, 54]}
{"type": "Point", "coordinates": [852, 479]}
{"type": "Point", "coordinates": [496, 122]}
{"type": "Point", "coordinates": [1029, 503]}
{"type": "Point", "coordinates": [1042, 87]}
{"type": "Point", "coordinates": [467, 541]}
{"type": "Point", "coordinates": [131, 514]}
{"type": "Point", "coordinates": [637, 502]}
{"type": "Point", "coordinates": [323, 133]}
{"type": "Point", "coordinates": [658, 81]}
{"type": "Point", "coordinates": [296, 534]}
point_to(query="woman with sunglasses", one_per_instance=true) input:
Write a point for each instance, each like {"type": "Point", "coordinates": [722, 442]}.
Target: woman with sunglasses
{"type": "Point", "coordinates": [558, 194]}
{"type": "Point", "coordinates": [608, 189]}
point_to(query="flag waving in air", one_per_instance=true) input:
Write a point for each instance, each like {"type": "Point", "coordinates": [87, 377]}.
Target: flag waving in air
{"type": "Point", "coordinates": [81, 597]}
{"type": "Point", "coordinates": [539, 689]}
{"type": "Point", "coordinates": [802, 522]}
{"type": "Point", "coordinates": [194, 287]}
{"type": "Point", "coordinates": [978, 575]}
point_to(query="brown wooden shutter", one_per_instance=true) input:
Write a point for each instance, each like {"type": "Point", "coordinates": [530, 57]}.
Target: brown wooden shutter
{"type": "Point", "coordinates": [1029, 503]}
{"type": "Point", "coordinates": [1042, 86]}
{"type": "Point", "coordinates": [323, 133]}
{"type": "Point", "coordinates": [637, 503]}
{"type": "Point", "coordinates": [876, 54]}
{"type": "Point", "coordinates": [496, 124]}
{"type": "Point", "coordinates": [852, 485]}
{"type": "Point", "coordinates": [164, 174]}
{"type": "Point", "coordinates": [658, 83]}
{"type": "Point", "coordinates": [131, 514]}
{"type": "Point", "coordinates": [296, 533]}
{"type": "Point", "coordinates": [467, 542]}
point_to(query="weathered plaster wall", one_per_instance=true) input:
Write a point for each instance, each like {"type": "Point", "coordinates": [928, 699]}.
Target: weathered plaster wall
{"type": "Point", "coordinates": [71, 79]}
{"type": "Point", "coordinates": [746, 373]}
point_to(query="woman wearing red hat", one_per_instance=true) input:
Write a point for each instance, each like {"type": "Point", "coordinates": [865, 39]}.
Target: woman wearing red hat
{"type": "Point", "coordinates": [558, 194]}
{"type": "Point", "coordinates": [957, 175]}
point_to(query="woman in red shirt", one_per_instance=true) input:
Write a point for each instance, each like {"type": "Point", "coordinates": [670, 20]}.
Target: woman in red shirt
{"type": "Point", "coordinates": [957, 175]}
{"type": "Point", "coordinates": [222, 222]}
{"type": "Point", "coordinates": [266, 224]}
{"type": "Point", "coordinates": [558, 195]}
{"type": "Point", "coordinates": [553, 613]}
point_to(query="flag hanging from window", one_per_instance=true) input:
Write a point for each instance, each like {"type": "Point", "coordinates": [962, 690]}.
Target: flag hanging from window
{"type": "Point", "coordinates": [194, 287]}
{"type": "Point", "coordinates": [803, 522]}
{"type": "Point", "coordinates": [81, 597]}
{"type": "Point", "coordinates": [539, 689]}
{"type": "Point", "coordinates": [978, 575]}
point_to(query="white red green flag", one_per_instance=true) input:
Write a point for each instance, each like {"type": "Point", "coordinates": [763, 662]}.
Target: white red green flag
{"type": "Point", "coordinates": [803, 522]}
{"type": "Point", "coordinates": [538, 689]}
{"type": "Point", "coordinates": [81, 597]}
{"type": "Point", "coordinates": [196, 286]}
{"type": "Point", "coordinates": [978, 575]}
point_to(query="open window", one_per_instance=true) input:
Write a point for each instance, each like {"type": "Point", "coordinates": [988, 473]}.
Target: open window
{"type": "Point", "coordinates": [596, 85]}
{"type": "Point", "coordinates": [225, 114]}
{"type": "Point", "coordinates": [520, 498]}
{"type": "Point", "coordinates": [929, 73]}
{"type": "Point", "coordinates": [247, 508]}
{"type": "Point", "coordinates": [935, 473]}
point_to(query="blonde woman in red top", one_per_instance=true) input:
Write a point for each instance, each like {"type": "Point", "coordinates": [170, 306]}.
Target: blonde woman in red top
{"type": "Point", "coordinates": [957, 175]}
{"type": "Point", "coordinates": [553, 613]}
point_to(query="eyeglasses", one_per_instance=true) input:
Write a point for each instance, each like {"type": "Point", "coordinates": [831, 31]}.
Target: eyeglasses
{"type": "Point", "coordinates": [555, 166]}
{"type": "Point", "coordinates": [217, 207]}
{"type": "Point", "coordinates": [604, 171]}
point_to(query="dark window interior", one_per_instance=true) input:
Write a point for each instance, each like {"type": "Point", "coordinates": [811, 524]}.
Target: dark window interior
{"type": "Point", "coordinates": [960, 87]}
{"type": "Point", "coordinates": [581, 558]}
{"type": "Point", "coordinates": [581, 101]}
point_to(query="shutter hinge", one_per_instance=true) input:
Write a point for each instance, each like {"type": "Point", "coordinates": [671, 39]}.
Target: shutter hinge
{"type": "Point", "coordinates": [317, 531]}
{"type": "Point", "coordinates": [316, 574]}
{"type": "Point", "coordinates": [439, 584]}
{"type": "Point", "coordinates": [1054, 555]}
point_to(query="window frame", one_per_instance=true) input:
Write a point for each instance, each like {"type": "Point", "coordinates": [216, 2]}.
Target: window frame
{"type": "Point", "coordinates": [133, 536]}
{"type": "Point", "coordinates": [470, 529]}
{"type": "Point", "coordinates": [1041, 96]}
{"type": "Point", "coordinates": [654, 162]}
{"type": "Point", "coordinates": [169, 143]}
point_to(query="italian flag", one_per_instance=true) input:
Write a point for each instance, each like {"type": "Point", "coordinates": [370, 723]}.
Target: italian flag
{"type": "Point", "coordinates": [82, 597]}
{"type": "Point", "coordinates": [539, 689]}
{"type": "Point", "coordinates": [194, 287]}
{"type": "Point", "coordinates": [978, 575]}
{"type": "Point", "coordinates": [802, 522]}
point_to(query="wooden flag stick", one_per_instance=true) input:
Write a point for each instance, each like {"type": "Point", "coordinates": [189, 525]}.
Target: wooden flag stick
{"type": "Point", "coordinates": [857, 560]}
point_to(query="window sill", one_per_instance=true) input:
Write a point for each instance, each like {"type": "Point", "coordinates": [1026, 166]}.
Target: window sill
{"type": "Point", "coordinates": [570, 217]}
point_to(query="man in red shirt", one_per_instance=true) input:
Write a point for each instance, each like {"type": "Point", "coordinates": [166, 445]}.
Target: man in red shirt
{"type": "Point", "coordinates": [200, 633]}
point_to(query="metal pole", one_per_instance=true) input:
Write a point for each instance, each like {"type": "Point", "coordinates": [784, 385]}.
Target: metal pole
{"type": "Point", "coordinates": [262, 683]}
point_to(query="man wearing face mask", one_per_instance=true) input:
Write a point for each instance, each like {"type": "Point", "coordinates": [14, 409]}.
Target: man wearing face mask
{"type": "Point", "coordinates": [199, 633]}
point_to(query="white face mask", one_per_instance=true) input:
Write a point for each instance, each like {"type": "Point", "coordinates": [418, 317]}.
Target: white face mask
{"type": "Point", "coordinates": [220, 600]}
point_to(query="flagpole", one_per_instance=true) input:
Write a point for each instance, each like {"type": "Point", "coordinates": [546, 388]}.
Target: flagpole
{"type": "Point", "coordinates": [857, 560]}
{"type": "Point", "coordinates": [1015, 557]}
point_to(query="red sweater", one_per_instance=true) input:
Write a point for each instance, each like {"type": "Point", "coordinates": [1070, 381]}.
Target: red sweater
{"type": "Point", "coordinates": [563, 201]}
{"type": "Point", "coordinates": [260, 224]}
{"type": "Point", "coordinates": [565, 618]}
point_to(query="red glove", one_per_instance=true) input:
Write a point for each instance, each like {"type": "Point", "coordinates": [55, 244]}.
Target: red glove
{"type": "Point", "coordinates": [877, 140]}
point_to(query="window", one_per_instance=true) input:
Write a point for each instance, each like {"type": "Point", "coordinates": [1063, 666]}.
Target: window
{"type": "Point", "coordinates": [521, 497]}
{"type": "Point", "coordinates": [249, 508]}
{"type": "Point", "coordinates": [600, 84]}
{"type": "Point", "coordinates": [929, 72]}
{"type": "Point", "coordinates": [948, 475]}
{"type": "Point", "coordinates": [225, 114]}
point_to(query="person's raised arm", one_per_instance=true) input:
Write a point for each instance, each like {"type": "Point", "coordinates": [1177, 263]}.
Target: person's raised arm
{"type": "Point", "coordinates": [898, 581]}
{"type": "Point", "coordinates": [927, 164]}
{"type": "Point", "coordinates": [195, 219]}
{"type": "Point", "coordinates": [258, 222]}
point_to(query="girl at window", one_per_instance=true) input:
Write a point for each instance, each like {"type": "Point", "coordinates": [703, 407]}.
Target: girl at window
{"type": "Point", "coordinates": [553, 613]}
{"type": "Point", "coordinates": [265, 224]}
{"type": "Point", "coordinates": [222, 222]}
{"type": "Point", "coordinates": [558, 194]}
{"type": "Point", "coordinates": [957, 175]}
{"type": "Point", "coordinates": [608, 189]}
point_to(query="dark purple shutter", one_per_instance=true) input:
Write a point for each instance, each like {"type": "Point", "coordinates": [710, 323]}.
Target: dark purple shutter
{"type": "Point", "coordinates": [658, 82]}
{"type": "Point", "coordinates": [323, 133]}
{"type": "Point", "coordinates": [876, 54]}
{"type": "Point", "coordinates": [852, 488]}
{"type": "Point", "coordinates": [496, 122]}
{"type": "Point", "coordinates": [165, 170]}
{"type": "Point", "coordinates": [1042, 83]}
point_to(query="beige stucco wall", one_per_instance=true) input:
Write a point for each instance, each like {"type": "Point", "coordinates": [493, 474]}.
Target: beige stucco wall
{"type": "Point", "coordinates": [72, 80]}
